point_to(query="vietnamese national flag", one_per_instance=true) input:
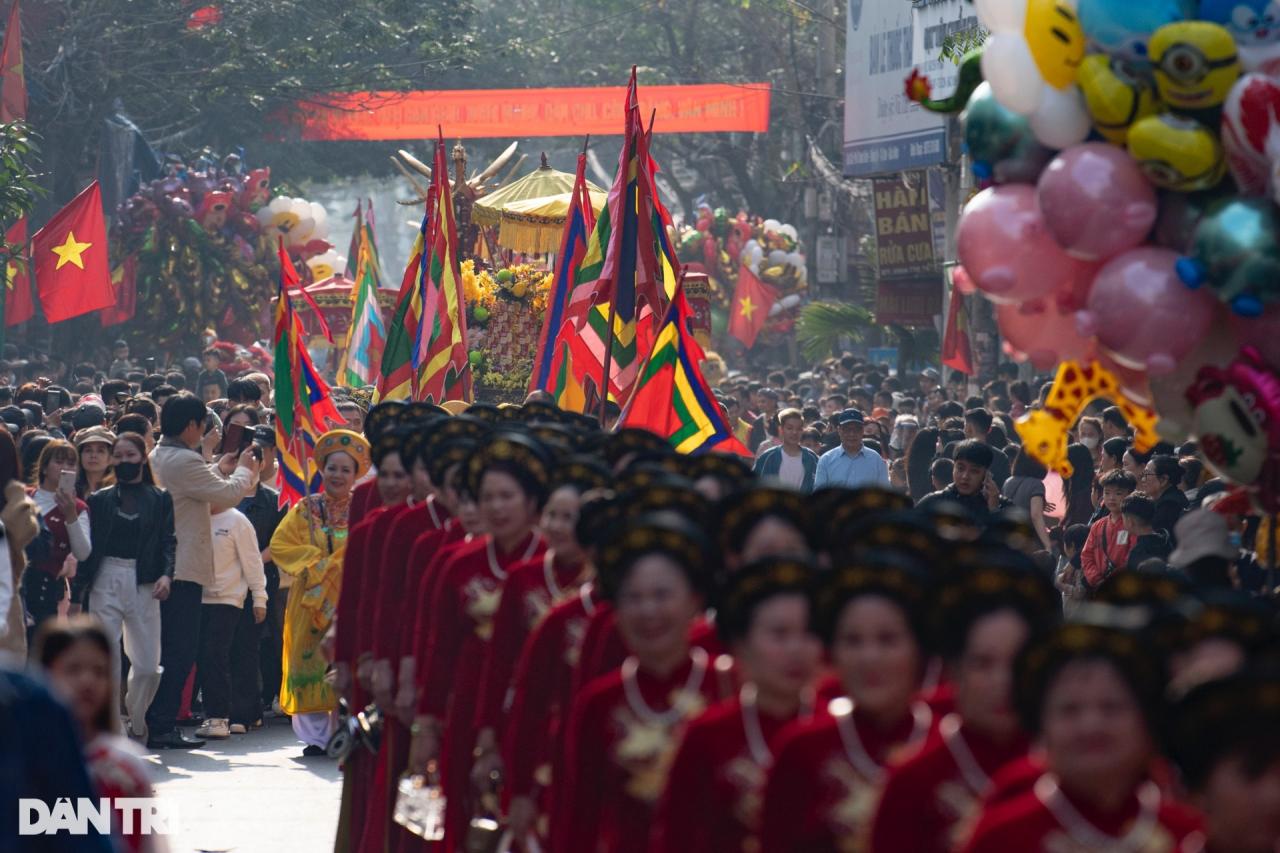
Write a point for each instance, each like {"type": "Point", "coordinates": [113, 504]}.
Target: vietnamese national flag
{"type": "Point", "coordinates": [124, 281]}
{"type": "Point", "coordinates": [957, 353]}
{"type": "Point", "coordinates": [13, 86]}
{"type": "Point", "coordinates": [18, 304]}
{"type": "Point", "coordinates": [70, 254]}
{"type": "Point", "coordinates": [751, 303]}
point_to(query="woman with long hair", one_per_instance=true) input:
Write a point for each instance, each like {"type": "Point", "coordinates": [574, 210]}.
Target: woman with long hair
{"type": "Point", "coordinates": [920, 455]}
{"type": "Point", "coordinates": [1025, 488]}
{"type": "Point", "coordinates": [64, 532]}
{"type": "Point", "coordinates": [18, 514]}
{"type": "Point", "coordinates": [309, 545]}
{"type": "Point", "coordinates": [1078, 490]}
{"type": "Point", "coordinates": [94, 448]}
{"type": "Point", "coordinates": [130, 569]}
{"type": "Point", "coordinates": [78, 658]}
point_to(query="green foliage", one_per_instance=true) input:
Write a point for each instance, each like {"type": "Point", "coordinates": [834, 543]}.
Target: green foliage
{"type": "Point", "coordinates": [956, 45]}
{"type": "Point", "coordinates": [822, 325]}
{"type": "Point", "coordinates": [19, 186]}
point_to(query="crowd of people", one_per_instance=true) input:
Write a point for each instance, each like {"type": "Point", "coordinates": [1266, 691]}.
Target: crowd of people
{"type": "Point", "coordinates": [892, 630]}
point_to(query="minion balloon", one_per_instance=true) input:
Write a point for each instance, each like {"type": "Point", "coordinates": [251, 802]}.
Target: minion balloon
{"type": "Point", "coordinates": [1177, 153]}
{"type": "Point", "coordinates": [1195, 64]}
{"type": "Point", "coordinates": [1115, 95]}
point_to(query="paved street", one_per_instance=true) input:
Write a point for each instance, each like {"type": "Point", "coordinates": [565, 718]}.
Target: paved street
{"type": "Point", "coordinates": [254, 793]}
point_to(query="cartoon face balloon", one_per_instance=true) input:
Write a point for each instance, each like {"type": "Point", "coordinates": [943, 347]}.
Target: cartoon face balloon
{"type": "Point", "coordinates": [1255, 26]}
{"type": "Point", "coordinates": [1031, 60]}
{"type": "Point", "coordinates": [1000, 142]}
{"type": "Point", "coordinates": [1195, 64]}
{"type": "Point", "coordinates": [1115, 96]}
{"type": "Point", "coordinates": [1122, 28]}
{"type": "Point", "coordinates": [1177, 153]}
{"type": "Point", "coordinates": [1251, 134]}
{"type": "Point", "coordinates": [257, 189]}
{"type": "Point", "coordinates": [213, 210]}
{"type": "Point", "coordinates": [1236, 416]}
{"type": "Point", "coordinates": [1236, 252]}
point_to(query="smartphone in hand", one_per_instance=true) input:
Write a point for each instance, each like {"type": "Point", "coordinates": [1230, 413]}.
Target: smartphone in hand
{"type": "Point", "coordinates": [233, 439]}
{"type": "Point", "coordinates": [67, 482]}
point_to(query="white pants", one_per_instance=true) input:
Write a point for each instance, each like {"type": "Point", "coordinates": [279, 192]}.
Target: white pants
{"type": "Point", "coordinates": [314, 729]}
{"type": "Point", "coordinates": [127, 608]}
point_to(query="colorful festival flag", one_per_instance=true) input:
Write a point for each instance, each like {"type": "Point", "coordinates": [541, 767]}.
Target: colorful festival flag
{"type": "Point", "coordinates": [573, 246]}
{"type": "Point", "coordinates": [672, 398]}
{"type": "Point", "coordinates": [397, 375]}
{"type": "Point", "coordinates": [629, 268]}
{"type": "Point", "coordinates": [304, 407]}
{"type": "Point", "coordinates": [752, 300]}
{"type": "Point", "coordinates": [70, 252]}
{"type": "Point", "coordinates": [440, 357]}
{"type": "Point", "coordinates": [366, 336]}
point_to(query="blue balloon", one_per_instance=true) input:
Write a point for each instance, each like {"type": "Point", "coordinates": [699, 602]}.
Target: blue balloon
{"type": "Point", "coordinates": [1123, 27]}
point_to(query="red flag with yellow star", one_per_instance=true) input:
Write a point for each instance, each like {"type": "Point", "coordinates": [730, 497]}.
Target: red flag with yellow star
{"type": "Point", "coordinates": [751, 303]}
{"type": "Point", "coordinates": [70, 253]}
{"type": "Point", "coordinates": [18, 306]}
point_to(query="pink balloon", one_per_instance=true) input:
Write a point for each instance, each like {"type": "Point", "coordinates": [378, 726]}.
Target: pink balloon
{"type": "Point", "coordinates": [1095, 201]}
{"type": "Point", "coordinates": [1218, 349]}
{"type": "Point", "coordinates": [1262, 333]}
{"type": "Point", "coordinates": [1142, 314]}
{"type": "Point", "coordinates": [1006, 249]}
{"type": "Point", "coordinates": [1042, 333]}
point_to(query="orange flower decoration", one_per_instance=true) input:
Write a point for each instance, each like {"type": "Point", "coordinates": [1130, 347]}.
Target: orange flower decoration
{"type": "Point", "coordinates": [917, 87]}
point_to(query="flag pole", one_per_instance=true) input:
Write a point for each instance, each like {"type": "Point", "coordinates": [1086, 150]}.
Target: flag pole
{"type": "Point", "coordinates": [608, 358]}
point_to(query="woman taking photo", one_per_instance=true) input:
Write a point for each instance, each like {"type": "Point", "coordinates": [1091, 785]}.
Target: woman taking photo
{"type": "Point", "coordinates": [64, 531]}
{"type": "Point", "coordinates": [94, 446]}
{"type": "Point", "coordinates": [625, 726]}
{"type": "Point", "coordinates": [713, 798]}
{"type": "Point", "coordinates": [1091, 695]}
{"type": "Point", "coordinates": [309, 546]}
{"type": "Point", "coordinates": [827, 773]}
{"type": "Point", "coordinates": [130, 569]}
{"type": "Point", "coordinates": [78, 658]}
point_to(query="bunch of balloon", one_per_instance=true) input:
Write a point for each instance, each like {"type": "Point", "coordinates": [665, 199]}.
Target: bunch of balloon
{"type": "Point", "coordinates": [1128, 156]}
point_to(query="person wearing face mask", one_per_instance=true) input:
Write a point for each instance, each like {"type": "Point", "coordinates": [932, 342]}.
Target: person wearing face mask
{"type": "Point", "coordinates": [64, 532]}
{"type": "Point", "coordinates": [1089, 432]}
{"type": "Point", "coordinates": [130, 569]}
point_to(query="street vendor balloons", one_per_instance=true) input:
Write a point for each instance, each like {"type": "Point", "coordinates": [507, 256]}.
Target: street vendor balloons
{"type": "Point", "coordinates": [1007, 249]}
{"type": "Point", "coordinates": [1095, 201]}
{"type": "Point", "coordinates": [1031, 59]}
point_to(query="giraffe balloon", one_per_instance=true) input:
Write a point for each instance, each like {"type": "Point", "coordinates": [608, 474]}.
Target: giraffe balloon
{"type": "Point", "coordinates": [1044, 431]}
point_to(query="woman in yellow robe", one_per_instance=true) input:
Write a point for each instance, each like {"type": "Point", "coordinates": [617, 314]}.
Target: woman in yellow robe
{"type": "Point", "coordinates": [309, 545]}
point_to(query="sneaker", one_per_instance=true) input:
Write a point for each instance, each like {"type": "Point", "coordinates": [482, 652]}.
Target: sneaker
{"type": "Point", "coordinates": [173, 740]}
{"type": "Point", "coordinates": [238, 729]}
{"type": "Point", "coordinates": [214, 728]}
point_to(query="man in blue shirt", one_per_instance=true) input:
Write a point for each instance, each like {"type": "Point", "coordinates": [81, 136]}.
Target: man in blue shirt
{"type": "Point", "coordinates": [851, 465]}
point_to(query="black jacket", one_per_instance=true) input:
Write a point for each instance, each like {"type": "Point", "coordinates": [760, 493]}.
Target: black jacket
{"type": "Point", "coordinates": [1169, 508]}
{"type": "Point", "coordinates": [156, 548]}
{"type": "Point", "coordinates": [975, 503]}
{"type": "Point", "coordinates": [1153, 545]}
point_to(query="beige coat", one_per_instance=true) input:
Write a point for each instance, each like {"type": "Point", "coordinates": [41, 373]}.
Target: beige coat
{"type": "Point", "coordinates": [195, 484]}
{"type": "Point", "coordinates": [20, 528]}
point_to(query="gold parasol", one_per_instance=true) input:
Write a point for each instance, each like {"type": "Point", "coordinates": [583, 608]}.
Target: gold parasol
{"type": "Point", "coordinates": [530, 212]}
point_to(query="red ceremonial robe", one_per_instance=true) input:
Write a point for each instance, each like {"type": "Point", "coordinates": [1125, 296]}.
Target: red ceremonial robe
{"type": "Point", "coordinates": [1046, 819]}
{"type": "Point", "coordinates": [716, 787]}
{"type": "Point", "coordinates": [365, 498]}
{"type": "Point", "coordinates": [931, 801]}
{"type": "Point", "coordinates": [468, 593]}
{"type": "Point", "coordinates": [385, 591]}
{"type": "Point", "coordinates": [541, 696]}
{"type": "Point", "coordinates": [826, 778]}
{"type": "Point", "coordinates": [622, 735]}
{"type": "Point", "coordinates": [529, 593]}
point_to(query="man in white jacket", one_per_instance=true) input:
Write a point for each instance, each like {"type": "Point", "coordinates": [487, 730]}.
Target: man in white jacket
{"type": "Point", "coordinates": [229, 646]}
{"type": "Point", "coordinates": [195, 486]}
